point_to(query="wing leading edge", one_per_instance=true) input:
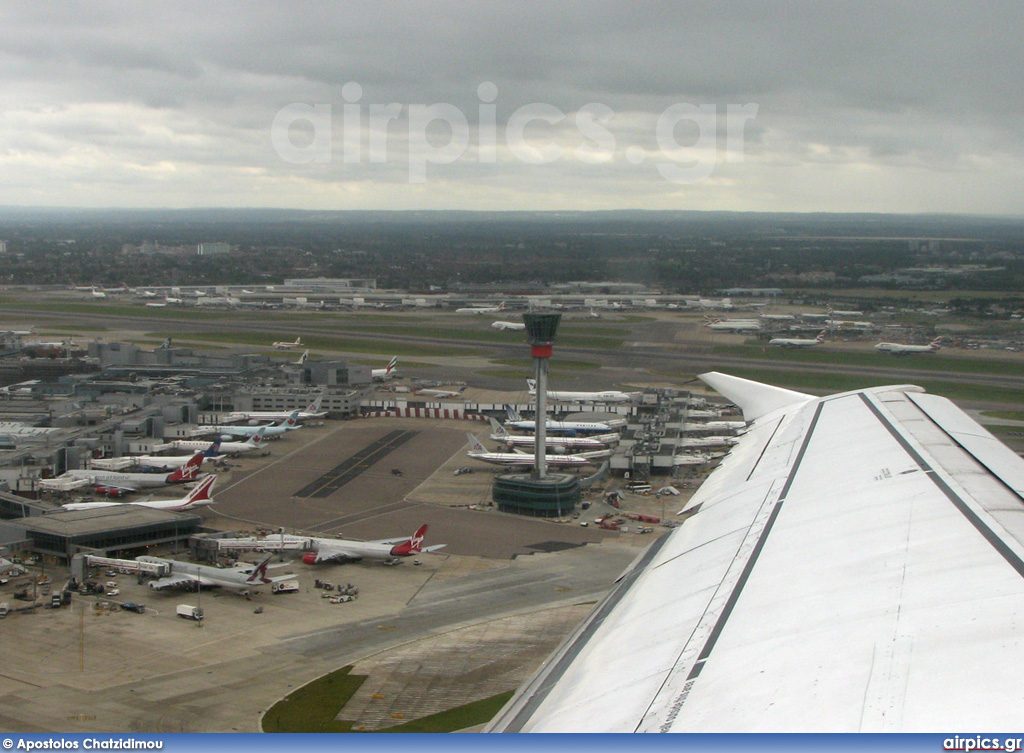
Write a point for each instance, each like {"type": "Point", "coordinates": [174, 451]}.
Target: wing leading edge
{"type": "Point", "coordinates": [850, 567]}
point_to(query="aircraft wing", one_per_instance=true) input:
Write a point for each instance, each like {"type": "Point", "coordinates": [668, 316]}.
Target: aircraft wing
{"type": "Point", "coordinates": [855, 564]}
{"type": "Point", "coordinates": [172, 581]}
{"type": "Point", "coordinates": [336, 552]}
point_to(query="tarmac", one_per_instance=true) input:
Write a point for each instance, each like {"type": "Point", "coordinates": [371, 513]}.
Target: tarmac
{"type": "Point", "coordinates": [468, 622]}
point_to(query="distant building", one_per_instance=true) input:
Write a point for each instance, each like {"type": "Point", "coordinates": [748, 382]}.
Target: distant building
{"type": "Point", "coordinates": [752, 291]}
{"type": "Point", "coordinates": [3, 247]}
{"type": "Point", "coordinates": [209, 249]}
{"type": "Point", "coordinates": [331, 285]}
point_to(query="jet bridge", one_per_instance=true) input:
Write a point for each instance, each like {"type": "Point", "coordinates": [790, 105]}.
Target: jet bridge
{"type": "Point", "coordinates": [155, 569]}
{"type": "Point", "coordinates": [278, 543]}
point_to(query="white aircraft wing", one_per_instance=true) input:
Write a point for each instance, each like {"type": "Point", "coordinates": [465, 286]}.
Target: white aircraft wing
{"type": "Point", "coordinates": [334, 552]}
{"type": "Point", "coordinates": [172, 581]}
{"type": "Point", "coordinates": [855, 564]}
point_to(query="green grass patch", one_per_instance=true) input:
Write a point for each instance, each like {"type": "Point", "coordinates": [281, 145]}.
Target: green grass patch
{"type": "Point", "coordinates": [823, 356]}
{"type": "Point", "coordinates": [50, 330]}
{"type": "Point", "coordinates": [460, 717]}
{"type": "Point", "coordinates": [1009, 415]}
{"type": "Point", "coordinates": [314, 706]}
{"type": "Point", "coordinates": [527, 364]}
{"type": "Point", "coordinates": [826, 383]}
{"type": "Point", "coordinates": [315, 342]}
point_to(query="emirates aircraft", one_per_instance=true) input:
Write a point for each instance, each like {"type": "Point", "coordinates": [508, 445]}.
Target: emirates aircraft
{"type": "Point", "coordinates": [381, 375]}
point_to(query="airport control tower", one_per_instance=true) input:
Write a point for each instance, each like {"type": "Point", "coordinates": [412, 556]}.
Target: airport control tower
{"type": "Point", "coordinates": [540, 494]}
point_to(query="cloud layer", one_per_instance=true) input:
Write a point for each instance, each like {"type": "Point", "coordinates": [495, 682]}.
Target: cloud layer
{"type": "Point", "coordinates": [888, 106]}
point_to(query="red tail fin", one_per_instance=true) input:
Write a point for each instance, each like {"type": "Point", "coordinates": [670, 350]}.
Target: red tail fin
{"type": "Point", "coordinates": [412, 545]}
{"type": "Point", "coordinates": [202, 492]}
{"type": "Point", "coordinates": [187, 472]}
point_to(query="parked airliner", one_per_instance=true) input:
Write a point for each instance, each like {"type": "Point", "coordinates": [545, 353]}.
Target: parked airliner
{"type": "Point", "coordinates": [187, 575]}
{"type": "Point", "coordinates": [481, 309]}
{"type": "Point", "coordinates": [389, 371]}
{"type": "Point", "coordinates": [224, 448]}
{"type": "Point", "coordinates": [607, 396]}
{"type": "Point", "coordinates": [197, 497]}
{"type": "Point", "coordinates": [116, 483]}
{"type": "Point", "coordinates": [478, 452]}
{"type": "Point", "coordinates": [311, 411]}
{"type": "Point", "coordinates": [554, 444]}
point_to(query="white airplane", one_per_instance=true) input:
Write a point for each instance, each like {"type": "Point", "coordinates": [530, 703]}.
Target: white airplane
{"type": "Point", "coordinates": [607, 396]}
{"type": "Point", "coordinates": [553, 444]}
{"type": "Point", "coordinates": [796, 342]}
{"type": "Point", "coordinates": [516, 458]}
{"type": "Point", "coordinates": [440, 393]}
{"type": "Point", "coordinates": [604, 427]}
{"type": "Point", "coordinates": [776, 317]}
{"type": "Point", "coordinates": [98, 293]}
{"type": "Point", "coordinates": [509, 326]}
{"type": "Point", "coordinates": [899, 349]}
{"type": "Point", "coordinates": [481, 309]}
{"type": "Point", "coordinates": [186, 575]}
{"type": "Point", "coordinates": [288, 424]}
{"type": "Point", "coordinates": [169, 462]}
{"type": "Point", "coordinates": [224, 448]}
{"type": "Point", "coordinates": [301, 359]}
{"type": "Point", "coordinates": [710, 441]}
{"type": "Point", "coordinates": [380, 375]}
{"type": "Point", "coordinates": [282, 345]}
{"type": "Point", "coordinates": [814, 590]}
{"type": "Point", "coordinates": [197, 497]}
{"type": "Point", "coordinates": [116, 483]}
{"type": "Point", "coordinates": [340, 550]}
{"type": "Point", "coordinates": [733, 325]}
{"type": "Point", "coordinates": [691, 458]}
{"type": "Point", "coordinates": [713, 425]}
{"type": "Point", "coordinates": [311, 411]}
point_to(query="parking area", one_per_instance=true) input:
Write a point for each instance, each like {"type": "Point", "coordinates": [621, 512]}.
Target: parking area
{"type": "Point", "coordinates": [375, 502]}
{"type": "Point", "coordinates": [502, 585]}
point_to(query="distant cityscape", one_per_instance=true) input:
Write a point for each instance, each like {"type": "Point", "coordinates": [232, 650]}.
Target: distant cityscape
{"type": "Point", "coordinates": [671, 252]}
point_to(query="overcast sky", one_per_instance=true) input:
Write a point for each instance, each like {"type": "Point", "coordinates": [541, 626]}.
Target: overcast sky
{"type": "Point", "coordinates": [762, 106]}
